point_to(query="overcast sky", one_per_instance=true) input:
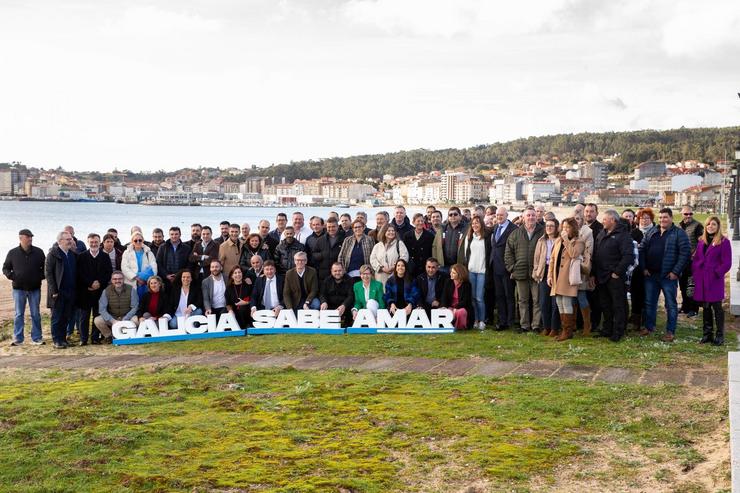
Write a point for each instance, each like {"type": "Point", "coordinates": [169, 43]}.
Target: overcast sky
{"type": "Point", "coordinates": [169, 84]}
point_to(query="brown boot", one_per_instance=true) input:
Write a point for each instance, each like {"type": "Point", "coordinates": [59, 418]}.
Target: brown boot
{"type": "Point", "coordinates": [568, 321]}
{"type": "Point", "coordinates": [586, 313]}
{"type": "Point", "coordinates": [546, 332]}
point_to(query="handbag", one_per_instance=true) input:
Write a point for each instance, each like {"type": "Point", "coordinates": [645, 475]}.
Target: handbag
{"type": "Point", "coordinates": [574, 272]}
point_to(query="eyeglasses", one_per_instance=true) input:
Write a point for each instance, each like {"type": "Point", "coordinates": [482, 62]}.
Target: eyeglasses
{"type": "Point", "coordinates": [453, 214]}
{"type": "Point", "coordinates": [138, 241]}
{"type": "Point", "coordinates": [688, 213]}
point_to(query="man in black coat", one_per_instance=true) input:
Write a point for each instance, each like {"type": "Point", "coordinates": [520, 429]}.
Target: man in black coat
{"type": "Point", "coordinates": [590, 212]}
{"type": "Point", "coordinates": [501, 281]}
{"type": "Point", "coordinates": [94, 269]}
{"type": "Point", "coordinates": [172, 257]}
{"type": "Point", "coordinates": [613, 254]}
{"type": "Point", "coordinates": [431, 284]}
{"type": "Point", "coordinates": [419, 243]}
{"type": "Point", "coordinates": [317, 231]}
{"type": "Point", "coordinates": [327, 248]}
{"type": "Point", "coordinates": [24, 266]}
{"type": "Point", "coordinates": [336, 293]}
{"type": "Point", "coordinates": [61, 285]}
{"type": "Point", "coordinates": [203, 252]}
{"type": "Point", "coordinates": [401, 222]}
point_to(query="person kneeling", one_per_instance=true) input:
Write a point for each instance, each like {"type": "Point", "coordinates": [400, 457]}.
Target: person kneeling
{"type": "Point", "coordinates": [118, 302]}
{"type": "Point", "coordinates": [184, 300]}
{"type": "Point", "coordinates": [458, 296]}
{"type": "Point", "coordinates": [401, 292]}
{"type": "Point", "coordinates": [336, 293]}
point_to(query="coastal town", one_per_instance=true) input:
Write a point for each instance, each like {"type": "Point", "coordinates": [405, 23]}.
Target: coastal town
{"type": "Point", "coordinates": [549, 181]}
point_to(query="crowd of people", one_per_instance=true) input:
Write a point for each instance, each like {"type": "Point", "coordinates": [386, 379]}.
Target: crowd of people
{"type": "Point", "coordinates": [531, 273]}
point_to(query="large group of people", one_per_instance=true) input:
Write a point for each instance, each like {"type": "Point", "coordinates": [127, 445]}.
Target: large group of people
{"type": "Point", "coordinates": [533, 273]}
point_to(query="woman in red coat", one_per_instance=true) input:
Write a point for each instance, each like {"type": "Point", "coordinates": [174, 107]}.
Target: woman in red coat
{"type": "Point", "coordinates": [712, 260]}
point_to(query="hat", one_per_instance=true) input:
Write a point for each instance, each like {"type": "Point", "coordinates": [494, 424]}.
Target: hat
{"type": "Point", "coordinates": [25, 232]}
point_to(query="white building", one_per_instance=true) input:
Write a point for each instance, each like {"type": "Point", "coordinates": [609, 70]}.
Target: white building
{"type": "Point", "coordinates": [540, 191]}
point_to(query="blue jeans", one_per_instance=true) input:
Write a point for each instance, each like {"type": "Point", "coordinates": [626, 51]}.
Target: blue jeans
{"type": "Point", "coordinates": [34, 299]}
{"type": "Point", "coordinates": [173, 320]}
{"type": "Point", "coordinates": [582, 299]}
{"type": "Point", "coordinates": [654, 285]}
{"type": "Point", "coordinates": [478, 283]}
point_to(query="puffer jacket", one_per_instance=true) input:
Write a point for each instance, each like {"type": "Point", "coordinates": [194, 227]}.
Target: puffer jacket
{"type": "Point", "coordinates": [519, 256]}
{"type": "Point", "coordinates": [130, 268]}
{"type": "Point", "coordinates": [677, 252]}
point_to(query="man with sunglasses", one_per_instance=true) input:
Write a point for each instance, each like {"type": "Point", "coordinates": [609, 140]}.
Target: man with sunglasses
{"type": "Point", "coordinates": [451, 236]}
{"type": "Point", "coordinates": [694, 230]}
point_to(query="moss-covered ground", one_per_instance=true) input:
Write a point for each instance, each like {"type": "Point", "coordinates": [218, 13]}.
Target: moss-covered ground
{"type": "Point", "coordinates": [232, 430]}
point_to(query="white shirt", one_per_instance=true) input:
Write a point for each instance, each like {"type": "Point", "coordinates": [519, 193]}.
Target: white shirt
{"type": "Point", "coordinates": [477, 260]}
{"type": "Point", "coordinates": [218, 299]}
{"type": "Point", "coordinates": [182, 305]}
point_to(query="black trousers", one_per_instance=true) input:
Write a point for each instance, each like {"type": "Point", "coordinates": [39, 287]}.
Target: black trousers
{"type": "Point", "coordinates": [504, 294]}
{"type": "Point", "coordinates": [596, 308]}
{"type": "Point", "coordinates": [719, 318]}
{"type": "Point", "coordinates": [613, 300]}
{"type": "Point", "coordinates": [687, 303]}
{"type": "Point", "coordinates": [637, 291]}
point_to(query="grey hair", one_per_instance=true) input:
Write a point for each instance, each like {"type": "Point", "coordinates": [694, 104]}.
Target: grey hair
{"type": "Point", "coordinates": [300, 254]}
{"type": "Point", "coordinates": [614, 214]}
{"type": "Point", "coordinates": [61, 234]}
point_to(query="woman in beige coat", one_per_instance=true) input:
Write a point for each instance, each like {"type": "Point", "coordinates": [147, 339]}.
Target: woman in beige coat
{"type": "Point", "coordinates": [568, 247]}
{"type": "Point", "coordinates": [542, 263]}
{"type": "Point", "coordinates": [386, 253]}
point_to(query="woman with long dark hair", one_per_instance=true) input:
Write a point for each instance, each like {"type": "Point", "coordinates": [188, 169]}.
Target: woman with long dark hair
{"type": "Point", "coordinates": [185, 300]}
{"type": "Point", "coordinates": [401, 292]}
{"type": "Point", "coordinates": [238, 296]}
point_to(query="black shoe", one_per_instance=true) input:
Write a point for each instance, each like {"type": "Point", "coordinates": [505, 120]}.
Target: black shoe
{"type": "Point", "coordinates": [706, 339]}
{"type": "Point", "coordinates": [691, 314]}
{"type": "Point", "coordinates": [107, 340]}
{"type": "Point", "coordinates": [60, 346]}
{"type": "Point", "coordinates": [598, 333]}
{"type": "Point", "coordinates": [615, 337]}
{"type": "Point", "coordinates": [499, 328]}
{"type": "Point", "coordinates": [719, 341]}
{"type": "Point", "coordinates": [83, 343]}
{"type": "Point", "coordinates": [16, 343]}
{"type": "Point", "coordinates": [96, 342]}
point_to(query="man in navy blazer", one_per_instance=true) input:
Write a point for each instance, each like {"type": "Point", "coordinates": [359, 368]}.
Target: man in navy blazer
{"type": "Point", "coordinates": [261, 299]}
{"type": "Point", "coordinates": [503, 285]}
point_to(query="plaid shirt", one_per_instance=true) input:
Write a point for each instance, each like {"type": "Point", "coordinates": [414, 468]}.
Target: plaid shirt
{"type": "Point", "coordinates": [345, 253]}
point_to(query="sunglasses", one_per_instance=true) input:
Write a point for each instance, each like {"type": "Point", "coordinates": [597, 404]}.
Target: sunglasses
{"type": "Point", "coordinates": [138, 241]}
{"type": "Point", "coordinates": [453, 214]}
{"type": "Point", "coordinates": [688, 213]}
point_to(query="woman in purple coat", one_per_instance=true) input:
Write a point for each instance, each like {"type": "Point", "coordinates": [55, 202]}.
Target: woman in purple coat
{"type": "Point", "coordinates": [712, 260]}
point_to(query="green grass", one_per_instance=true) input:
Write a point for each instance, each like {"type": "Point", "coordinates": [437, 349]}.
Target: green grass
{"type": "Point", "coordinates": [632, 352]}
{"type": "Point", "coordinates": [200, 429]}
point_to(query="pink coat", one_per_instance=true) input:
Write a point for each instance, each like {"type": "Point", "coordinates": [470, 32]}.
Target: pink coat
{"type": "Point", "coordinates": [709, 270]}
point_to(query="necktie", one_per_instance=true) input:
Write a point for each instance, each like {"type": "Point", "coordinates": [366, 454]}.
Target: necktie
{"type": "Point", "coordinates": [498, 232]}
{"type": "Point", "coordinates": [268, 295]}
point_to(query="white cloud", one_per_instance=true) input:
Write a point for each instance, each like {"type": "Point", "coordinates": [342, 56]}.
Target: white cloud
{"type": "Point", "coordinates": [698, 29]}
{"type": "Point", "coordinates": [151, 21]}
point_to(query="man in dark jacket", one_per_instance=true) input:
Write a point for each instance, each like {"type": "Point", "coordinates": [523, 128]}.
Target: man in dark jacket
{"type": "Point", "coordinates": [694, 230]}
{"type": "Point", "coordinates": [419, 243]}
{"type": "Point", "coordinates": [451, 236]}
{"type": "Point", "coordinates": [612, 256]}
{"type": "Point", "coordinates": [664, 254]}
{"type": "Point", "coordinates": [519, 260]}
{"type": "Point", "coordinates": [327, 248]}
{"type": "Point", "coordinates": [503, 284]}
{"type": "Point", "coordinates": [286, 250]}
{"type": "Point", "coordinates": [172, 257]}
{"type": "Point", "coordinates": [401, 222]}
{"type": "Point", "coordinates": [336, 293]}
{"type": "Point", "coordinates": [267, 293]}
{"type": "Point", "coordinates": [61, 284]}
{"type": "Point", "coordinates": [268, 241]}
{"type": "Point", "coordinates": [203, 252]}
{"type": "Point", "coordinates": [24, 266]}
{"type": "Point", "coordinates": [195, 231]}
{"type": "Point", "coordinates": [94, 270]}
{"type": "Point", "coordinates": [431, 285]}
{"type": "Point", "coordinates": [317, 231]}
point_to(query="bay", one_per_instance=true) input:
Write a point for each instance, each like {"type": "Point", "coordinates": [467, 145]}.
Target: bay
{"type": "Point", "coordinates": [46, 219]}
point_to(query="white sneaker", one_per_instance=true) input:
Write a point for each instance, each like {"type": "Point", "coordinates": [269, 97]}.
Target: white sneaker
{"type": "Point", "coordinates": [38, 343]}
{"type": "Point", "coordinates": [481, 325]}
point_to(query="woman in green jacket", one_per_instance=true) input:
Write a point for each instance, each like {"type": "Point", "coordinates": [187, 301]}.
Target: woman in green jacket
{"type": "Point", "coordinates": [368, 292]}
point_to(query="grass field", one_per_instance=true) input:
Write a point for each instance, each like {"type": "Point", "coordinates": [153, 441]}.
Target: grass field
{"type": "Point", "coordinates": [198, 429]}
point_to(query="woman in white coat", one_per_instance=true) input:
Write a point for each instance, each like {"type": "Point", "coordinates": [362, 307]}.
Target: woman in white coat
{"type": "Point", "coordinates": [138, 263]}
{"type": "Point", "coordinates": [386, 253]}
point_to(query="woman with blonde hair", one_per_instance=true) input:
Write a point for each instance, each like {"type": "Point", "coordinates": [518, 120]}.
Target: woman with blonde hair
{"type": "Point", "coordinates": [138, 263]}
{"type": "Point", "coordinates": [712, 260]}
{"type": "Point", "coordinates": [567, 254]}
{"type": "Point", "coordinates": [386, 253]}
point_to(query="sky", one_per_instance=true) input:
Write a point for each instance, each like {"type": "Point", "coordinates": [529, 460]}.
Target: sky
{"type": "Point", "coordinates": [141, 85]}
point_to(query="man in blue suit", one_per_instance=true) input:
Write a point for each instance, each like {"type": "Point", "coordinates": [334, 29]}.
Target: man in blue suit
{"type": "Point", "coordinates": [503, 284]}
{"type": "Point", "coordinates": [267, 293]}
